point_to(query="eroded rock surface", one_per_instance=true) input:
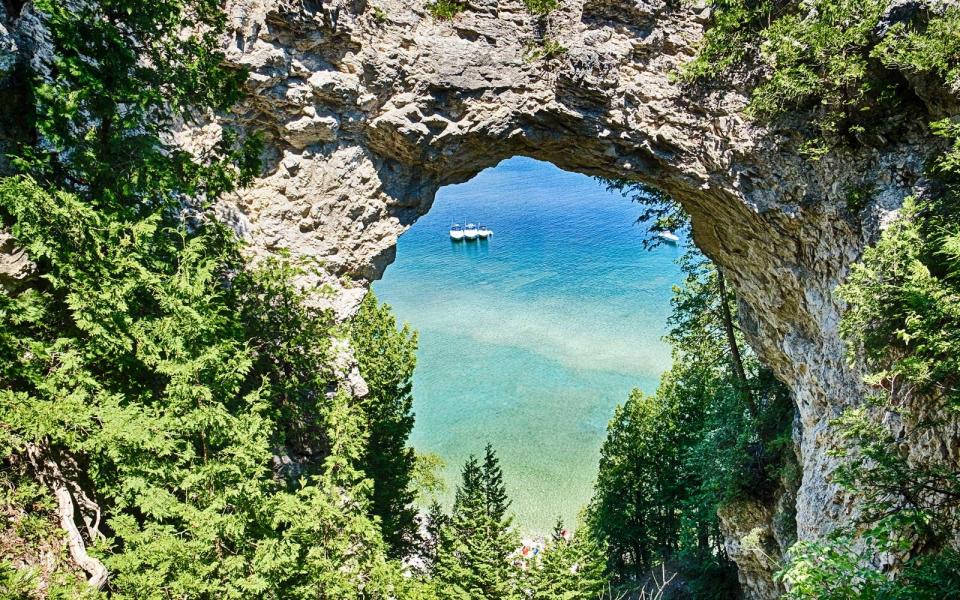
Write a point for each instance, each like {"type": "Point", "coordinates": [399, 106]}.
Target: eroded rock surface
{"type": "Point", "coordinates": [369, 106]}
{"type": "Point", "coordinates": [757, 535]}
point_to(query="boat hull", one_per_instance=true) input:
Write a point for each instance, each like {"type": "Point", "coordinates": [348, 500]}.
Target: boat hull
{"type": "Point", "coordinates": [669, 238]}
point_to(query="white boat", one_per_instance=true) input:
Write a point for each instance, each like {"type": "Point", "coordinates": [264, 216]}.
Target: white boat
{"type": "Point", "coordinates": [483, 232]}
{"type": "Point", "coordinates": [668, 237]}
{"type": "Point", "coordinates": [470, 231]}
{"type": "Point", "coordinates": [456, 232]}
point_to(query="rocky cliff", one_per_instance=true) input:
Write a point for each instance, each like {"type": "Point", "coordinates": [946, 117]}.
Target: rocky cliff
{"type": "Point", "coordinates": [369, 106]}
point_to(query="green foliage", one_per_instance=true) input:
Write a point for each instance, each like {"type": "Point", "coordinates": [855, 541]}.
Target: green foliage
{"type": "Point", "coordinates": [834, 570]}
{"type": "Point", "coordinates": [541, 7]}
{"type": "Point", "coordinates": [949, 163]}
{"type": "Point", "coordinates": [379, 15]}
{"type": "Point", "coordinates": [829, 570]}
{"type": "Point", "coordinates": [639, 487]}
{"type": "Point", "coordinates": [902, 307]}
{"type": "Point", "coordinates": [928, 578]}
{"type": "Point", "coordinates": [195, 394]}
{"type": "Point", "coordinates": [325, 545]}
{"type": "Point", "coordinates": [824, 59]}
{"type": "Point", "coordinates": [731, 36]}
{"type": "Point", "coordinates": [387, 357]}
{"type": "Point", "coordinates": [705, 439]}
{"type": "Point", "coordinates": [496, 502]}
{"type": "Point", "coordinates": [660, 211]}
{"type": "Point", "coordinates": [120, 74]}
{"type": "Point", "coordinates": [427, 475]}
{"type": "Point", "coordinates": [434, 522]}
{"type": "Point", "coordinates": [290, 342]}
{"type": "Point", "coordinates": [925, 45]}
{"type": "Point", "coordinates": [711, 577]}
{"type": "Point", "coordinates": [571, 568]}
{"type": "Point", "coordinates": [834, 57]}
{"type": "Point", "coordinates": [543, 50]}
{"type": "Point", "coordinates": [34, 561]}
{"type": "Point", "coordinates": [900, 496]}
{"type": "Point", "coordinates": [744, 444]}
{"type": "Point", "coordinates": [444, 10]}
{"type": "Point", "coordinates": [476, 542]}
{"type": "Point", "coordinates": [15, 583]}
{"type": "Point", "coordinates": [858, 197]}
{"type": "Point", "coordinates": [167, 397]}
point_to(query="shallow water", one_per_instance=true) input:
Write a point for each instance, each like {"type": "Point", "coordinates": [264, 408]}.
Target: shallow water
{"type": "Point", "coordinates": [529, 340]}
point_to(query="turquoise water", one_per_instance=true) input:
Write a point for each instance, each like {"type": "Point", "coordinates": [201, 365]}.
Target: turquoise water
{"type": "Point", "coordinates": [529, 340]}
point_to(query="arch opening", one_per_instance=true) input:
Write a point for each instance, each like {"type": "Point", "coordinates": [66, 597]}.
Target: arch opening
{"type": "Point", "coordinates": [529, 340]}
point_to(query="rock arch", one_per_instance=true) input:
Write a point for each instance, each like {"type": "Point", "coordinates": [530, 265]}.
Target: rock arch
{"type": "Point", "coordinates": [369, 106]}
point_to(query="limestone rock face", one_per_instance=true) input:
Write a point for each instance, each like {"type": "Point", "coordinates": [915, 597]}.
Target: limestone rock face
{"type": "Point", "coordinates": [369, 106]}
{"type": "Point", "coordinates": [9, 50]}
{"type": "Point", "coordinates": [16, 268]}
{"type": "Point", "coordinates": [749, 541]}
{"type": "Point", "coordinates": [757, 535]}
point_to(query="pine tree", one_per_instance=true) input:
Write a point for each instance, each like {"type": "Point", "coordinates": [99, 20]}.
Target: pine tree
{"type": "Point", "coordinates": [559, 531]}
{"type": "Point", "coordinates": [495, 491]}
{"type": "Point", "coordinates": [475, 547]}
{"type": "Point", "coordinates": [434, 522]}
{"type": "Point", "coordinates": [634, 508]}
{"type": "Point", "coordinates": [569, 569]}
{"type": "Point", "coordinates": [327, 547]}
{"type": "Point", "coordinates": [387, 357]}
{"type": "Point", "coordinates": [147, 357]}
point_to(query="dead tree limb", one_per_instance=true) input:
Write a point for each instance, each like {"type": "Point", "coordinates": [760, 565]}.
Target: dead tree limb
{"type": "Point", "coordinates": [51, 475]}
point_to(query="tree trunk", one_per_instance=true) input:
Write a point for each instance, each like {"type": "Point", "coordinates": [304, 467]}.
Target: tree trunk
{"type": "Point", "coordinates": [735, 356]}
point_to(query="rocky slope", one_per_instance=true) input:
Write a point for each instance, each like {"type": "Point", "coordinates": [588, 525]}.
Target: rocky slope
{"type": "Point", "coordinates": [369, 106]}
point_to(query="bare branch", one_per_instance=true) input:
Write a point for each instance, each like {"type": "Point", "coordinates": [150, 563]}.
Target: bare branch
{"type": "Point", "coordinates": [49, 472]}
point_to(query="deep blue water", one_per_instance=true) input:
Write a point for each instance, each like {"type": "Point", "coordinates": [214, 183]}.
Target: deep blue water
{"type": "Point", "coordinates": [529, 340]}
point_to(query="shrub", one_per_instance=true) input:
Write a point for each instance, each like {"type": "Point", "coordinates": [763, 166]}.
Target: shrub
{"type": "Point", "coordinates": [541, 7]}
{"type": "Point", "coordinates": [444, 10]}
{"type": "Point", "coordinates": [545, 50]}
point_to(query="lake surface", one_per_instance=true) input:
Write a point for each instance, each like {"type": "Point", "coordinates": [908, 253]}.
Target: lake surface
{"type": "Point", "coordinates": [529, 340]}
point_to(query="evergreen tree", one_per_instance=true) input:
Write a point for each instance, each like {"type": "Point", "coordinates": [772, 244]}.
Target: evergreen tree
{"type": "Point", "coordinates": [434, 522]}
{"type": "Point", "coordinates": [387, 357]}
{"type": "Point", "coordinates": [571, 568]}
{"type": "Point", "coordinates": [290, 342]}
{"type": "Point", "coordinates": [147, 374]}
{"type": "Point", "coordinates": [474, 558]}
{"type": "Point", "coordinates": [637, 494]}
{"type": "Point", "coordinates": [495, 491]}
{"type": "Point", "coordinates": [559, 531]}
{"type": "Point", "coordinates": [717, 430]}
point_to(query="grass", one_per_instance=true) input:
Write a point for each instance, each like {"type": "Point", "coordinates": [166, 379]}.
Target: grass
{"type": "Point", "coordinates": [444, 10]}
{"type": "Point", "coordinates": [547, 49]}
{"type": "Point", "coordinates": [541, 7]}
